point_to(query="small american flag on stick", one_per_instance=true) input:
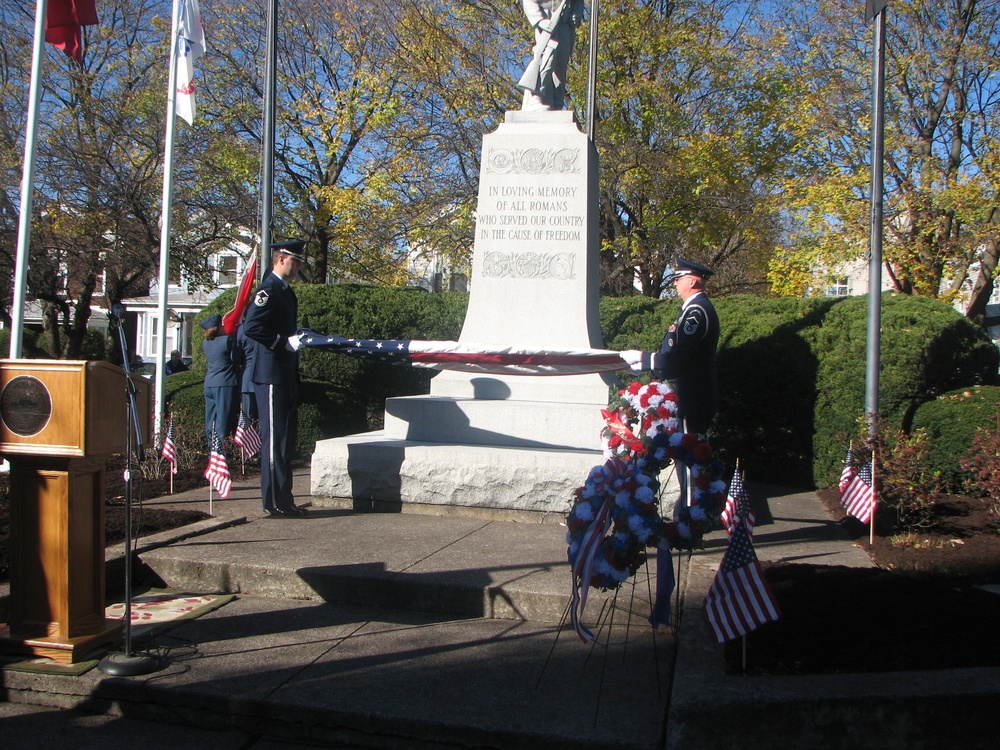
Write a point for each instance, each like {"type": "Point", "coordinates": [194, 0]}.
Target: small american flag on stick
{"type": "Point", "coordinates": [217, 472]}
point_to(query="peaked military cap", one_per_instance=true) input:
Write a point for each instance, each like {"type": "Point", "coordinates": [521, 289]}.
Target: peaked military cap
{"type": "Point", "coordinates": [295, 248]}
{"type": "Point", "coordinates": [690, 268]}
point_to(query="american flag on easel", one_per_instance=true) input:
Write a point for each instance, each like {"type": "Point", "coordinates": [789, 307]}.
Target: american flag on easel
{"type": "Point", "coordinates": [247, 436]}
{"type": "Point", "coordinates": [217, 472]}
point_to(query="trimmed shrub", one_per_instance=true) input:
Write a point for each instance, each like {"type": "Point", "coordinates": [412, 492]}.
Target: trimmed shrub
{"type": "Point", "coordinates": [951, 421]}
{"type": "Point", "coordinates": [792, 372]}
{"type": "Point", "coordinates": [341, 395]}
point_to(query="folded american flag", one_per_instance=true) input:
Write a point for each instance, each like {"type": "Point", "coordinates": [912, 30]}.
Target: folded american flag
{"type": "Point", "coordinates": [469, 357]}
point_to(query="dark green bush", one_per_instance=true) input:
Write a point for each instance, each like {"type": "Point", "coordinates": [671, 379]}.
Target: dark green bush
{"type": "Point", "coordinates": [792, 372]}
{"type": "Point", "coordinates": [951, 421]}
{"type": "Point", "coordinates": [341, 395]}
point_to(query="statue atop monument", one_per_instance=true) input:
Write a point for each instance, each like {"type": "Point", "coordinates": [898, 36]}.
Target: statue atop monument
{"type": "Point", "coordinates": [544, 80]}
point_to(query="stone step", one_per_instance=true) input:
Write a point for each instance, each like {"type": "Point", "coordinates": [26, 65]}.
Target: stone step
{"type": "Point", "coordinates": [461, 567]}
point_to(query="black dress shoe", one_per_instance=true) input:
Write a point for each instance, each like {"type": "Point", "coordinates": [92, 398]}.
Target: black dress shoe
{"type": "Point", "coordinates": [294, 512]}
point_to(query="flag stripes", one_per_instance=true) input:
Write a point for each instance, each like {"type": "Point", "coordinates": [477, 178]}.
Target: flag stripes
{"type": "Point", "coordinates": [247, 435]}
{"type": "Point", "coordinates": [738, 602]}
{"type": "Point", "coordinates": [858, 498]}
{"type": "Point", "coordinates": [469, 357]}
{"type": "Point", "coordinates": [169, 450]}
{"type": "Point", "coordinates": [217, 471]}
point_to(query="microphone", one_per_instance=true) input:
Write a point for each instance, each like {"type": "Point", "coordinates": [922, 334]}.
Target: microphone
{"type": "Point", "coordinates": [117, 313]}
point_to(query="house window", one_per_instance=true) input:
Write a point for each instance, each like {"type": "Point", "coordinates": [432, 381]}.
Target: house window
{"type": "Point", "coordinates": [839, 288]}
{"type": "Point", "coordinates": [227, 270]}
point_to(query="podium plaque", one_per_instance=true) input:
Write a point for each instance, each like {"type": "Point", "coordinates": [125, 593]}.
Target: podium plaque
{"type": "Point", "coordinates": [59, 422]}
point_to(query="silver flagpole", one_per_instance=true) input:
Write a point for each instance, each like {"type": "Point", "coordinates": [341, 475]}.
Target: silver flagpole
{"type": "Point", "coordinates": [267, 170]}
{"type": "Point", "coordinates": [165, 220]}
{"type": "Point", "coordinates": [27, 185]}
{"type": "Point", "coordinates": [875, 9]}
{"type": "Point", "coordinates": [592, 70]}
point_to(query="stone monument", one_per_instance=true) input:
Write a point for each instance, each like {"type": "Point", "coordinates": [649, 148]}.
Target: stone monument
{"type": "Point", "coordinates": [512, 442]}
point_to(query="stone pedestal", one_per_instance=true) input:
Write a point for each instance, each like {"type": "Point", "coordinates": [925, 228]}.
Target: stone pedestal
{"type": "Point", "coordinates": [518, 442]}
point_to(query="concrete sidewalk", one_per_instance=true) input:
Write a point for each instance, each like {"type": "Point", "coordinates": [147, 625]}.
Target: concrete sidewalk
{"type": "Point", "coordinates": [414, 631]}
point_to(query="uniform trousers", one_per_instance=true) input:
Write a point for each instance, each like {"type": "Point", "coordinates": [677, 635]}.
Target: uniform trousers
{"type": "Point", "coordinates": [277, 406]}
{"type": "Point", "coordinates": [221, 409]}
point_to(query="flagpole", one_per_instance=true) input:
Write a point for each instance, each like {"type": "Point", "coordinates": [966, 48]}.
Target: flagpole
{"type": "Point", "coordinates": [592, 70]}
{"type": "Point", "coordinates": [267, 171]}
{"type": "Point", "coordinates": [165, 219]}
{"type": "Point", "coordinates": [871, 505]}
{"type": "Point", "coordinates": [27, 185]}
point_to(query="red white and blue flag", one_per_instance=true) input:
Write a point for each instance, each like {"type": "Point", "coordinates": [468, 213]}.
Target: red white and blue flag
{"type": "Point", "coordinates": [858, 498]}
{"type": "Point", "coordinates": [740, 599]}
{"type": "Point", "coordinates": [737, 508]}
{"type": "Point", "coordinates": [469, 357]}
{"type": "Point", "coordinates": [217, 471]}
{"type": "Point", "coordinates": [847, 473]}
{"type": "Point", "coordinates": [247, 436]}
{"type": "Point", "coordinates": [169, 450]}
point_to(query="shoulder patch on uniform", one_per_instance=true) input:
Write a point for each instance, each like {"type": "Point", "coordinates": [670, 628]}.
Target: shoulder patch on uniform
{"type": "Point", "coordinates": [261, 299]}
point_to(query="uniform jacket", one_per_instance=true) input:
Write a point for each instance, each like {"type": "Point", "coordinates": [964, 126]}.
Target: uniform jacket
{"type": "Point", "coordinates": [223, 370]}
{"type": "Point", "coordinates": [687, 358]}
{"type": "Point", "coordinates": [272, 317]}
{"type": "Point", "coordinates": [247, 347]}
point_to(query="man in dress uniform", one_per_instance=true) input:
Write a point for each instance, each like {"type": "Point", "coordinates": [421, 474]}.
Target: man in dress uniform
{"type": "Point", "coordinates": [271, 322]}
{"type": "Point", "coordinates": [687, 358]}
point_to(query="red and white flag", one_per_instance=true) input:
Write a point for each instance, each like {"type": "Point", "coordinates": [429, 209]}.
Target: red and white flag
{"type": "Point", "coordinates": [217, 472]}
{"type": "Point", "coordinates": [858, 499]}
{"type": "Point", "coordinates": [247, 436]}
{"type": "Point", "coordinates": [737, 508]}
{"type": "Point", "coordinates": [469, 357]}
{"type": "Point", "coordinates": [740, 599]}
{"type": "Point", "coordinates": [190, 46]}
{"type": "Point", "coordinates": [169, 450]}
{"type": "Point", "coordinates": [847, 473]}
{"type": "Point", "coordinates": [231, 320]}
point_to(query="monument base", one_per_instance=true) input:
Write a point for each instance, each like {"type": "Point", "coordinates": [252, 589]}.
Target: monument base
{"type": "Point", "coordinates": [381, 472]}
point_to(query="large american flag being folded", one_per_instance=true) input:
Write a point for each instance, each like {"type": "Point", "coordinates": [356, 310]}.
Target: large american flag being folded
{"type": "Point", "coordinates": [457, 355]}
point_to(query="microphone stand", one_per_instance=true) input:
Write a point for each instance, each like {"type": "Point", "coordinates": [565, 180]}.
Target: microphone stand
{"type": "Point", "coordinates": [128, 664]}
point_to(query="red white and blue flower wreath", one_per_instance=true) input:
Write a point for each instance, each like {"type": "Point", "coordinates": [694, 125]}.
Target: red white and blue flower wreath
{"type": "Point", "coordinates": [615, 516]}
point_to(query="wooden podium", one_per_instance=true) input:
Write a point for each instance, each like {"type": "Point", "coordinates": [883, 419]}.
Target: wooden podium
{"type": "Point", "coordinates": [59, 422]}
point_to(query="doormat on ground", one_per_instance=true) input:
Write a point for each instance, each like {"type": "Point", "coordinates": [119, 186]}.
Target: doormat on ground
{"type": "Point", "coordinates": [153, 611]}
{"type": "Point", "coordinates": [157, 610]}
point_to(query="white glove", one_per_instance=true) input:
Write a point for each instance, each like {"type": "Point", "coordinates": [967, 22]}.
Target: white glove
{"type": "Point", "coordinates": [294, 343]}
{"type": "Point", "coordinates": [634, 358]}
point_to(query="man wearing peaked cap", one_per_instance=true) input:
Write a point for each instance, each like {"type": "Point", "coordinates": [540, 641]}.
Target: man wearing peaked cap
{"type": "Point", "coordinates": [271, 322]}
{"type": "Point", "coordinates": [687, 357]}
{"type": "Point", "coordinates": [294, 248]}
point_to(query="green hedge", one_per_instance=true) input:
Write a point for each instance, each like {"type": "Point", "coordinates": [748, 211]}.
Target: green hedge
{"type": "Point", "coordinates": [342, 395]}
{"type": "Point", "coordinates": [951, 421]}
{"type": "Point", "coordinates": [791, 371]}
